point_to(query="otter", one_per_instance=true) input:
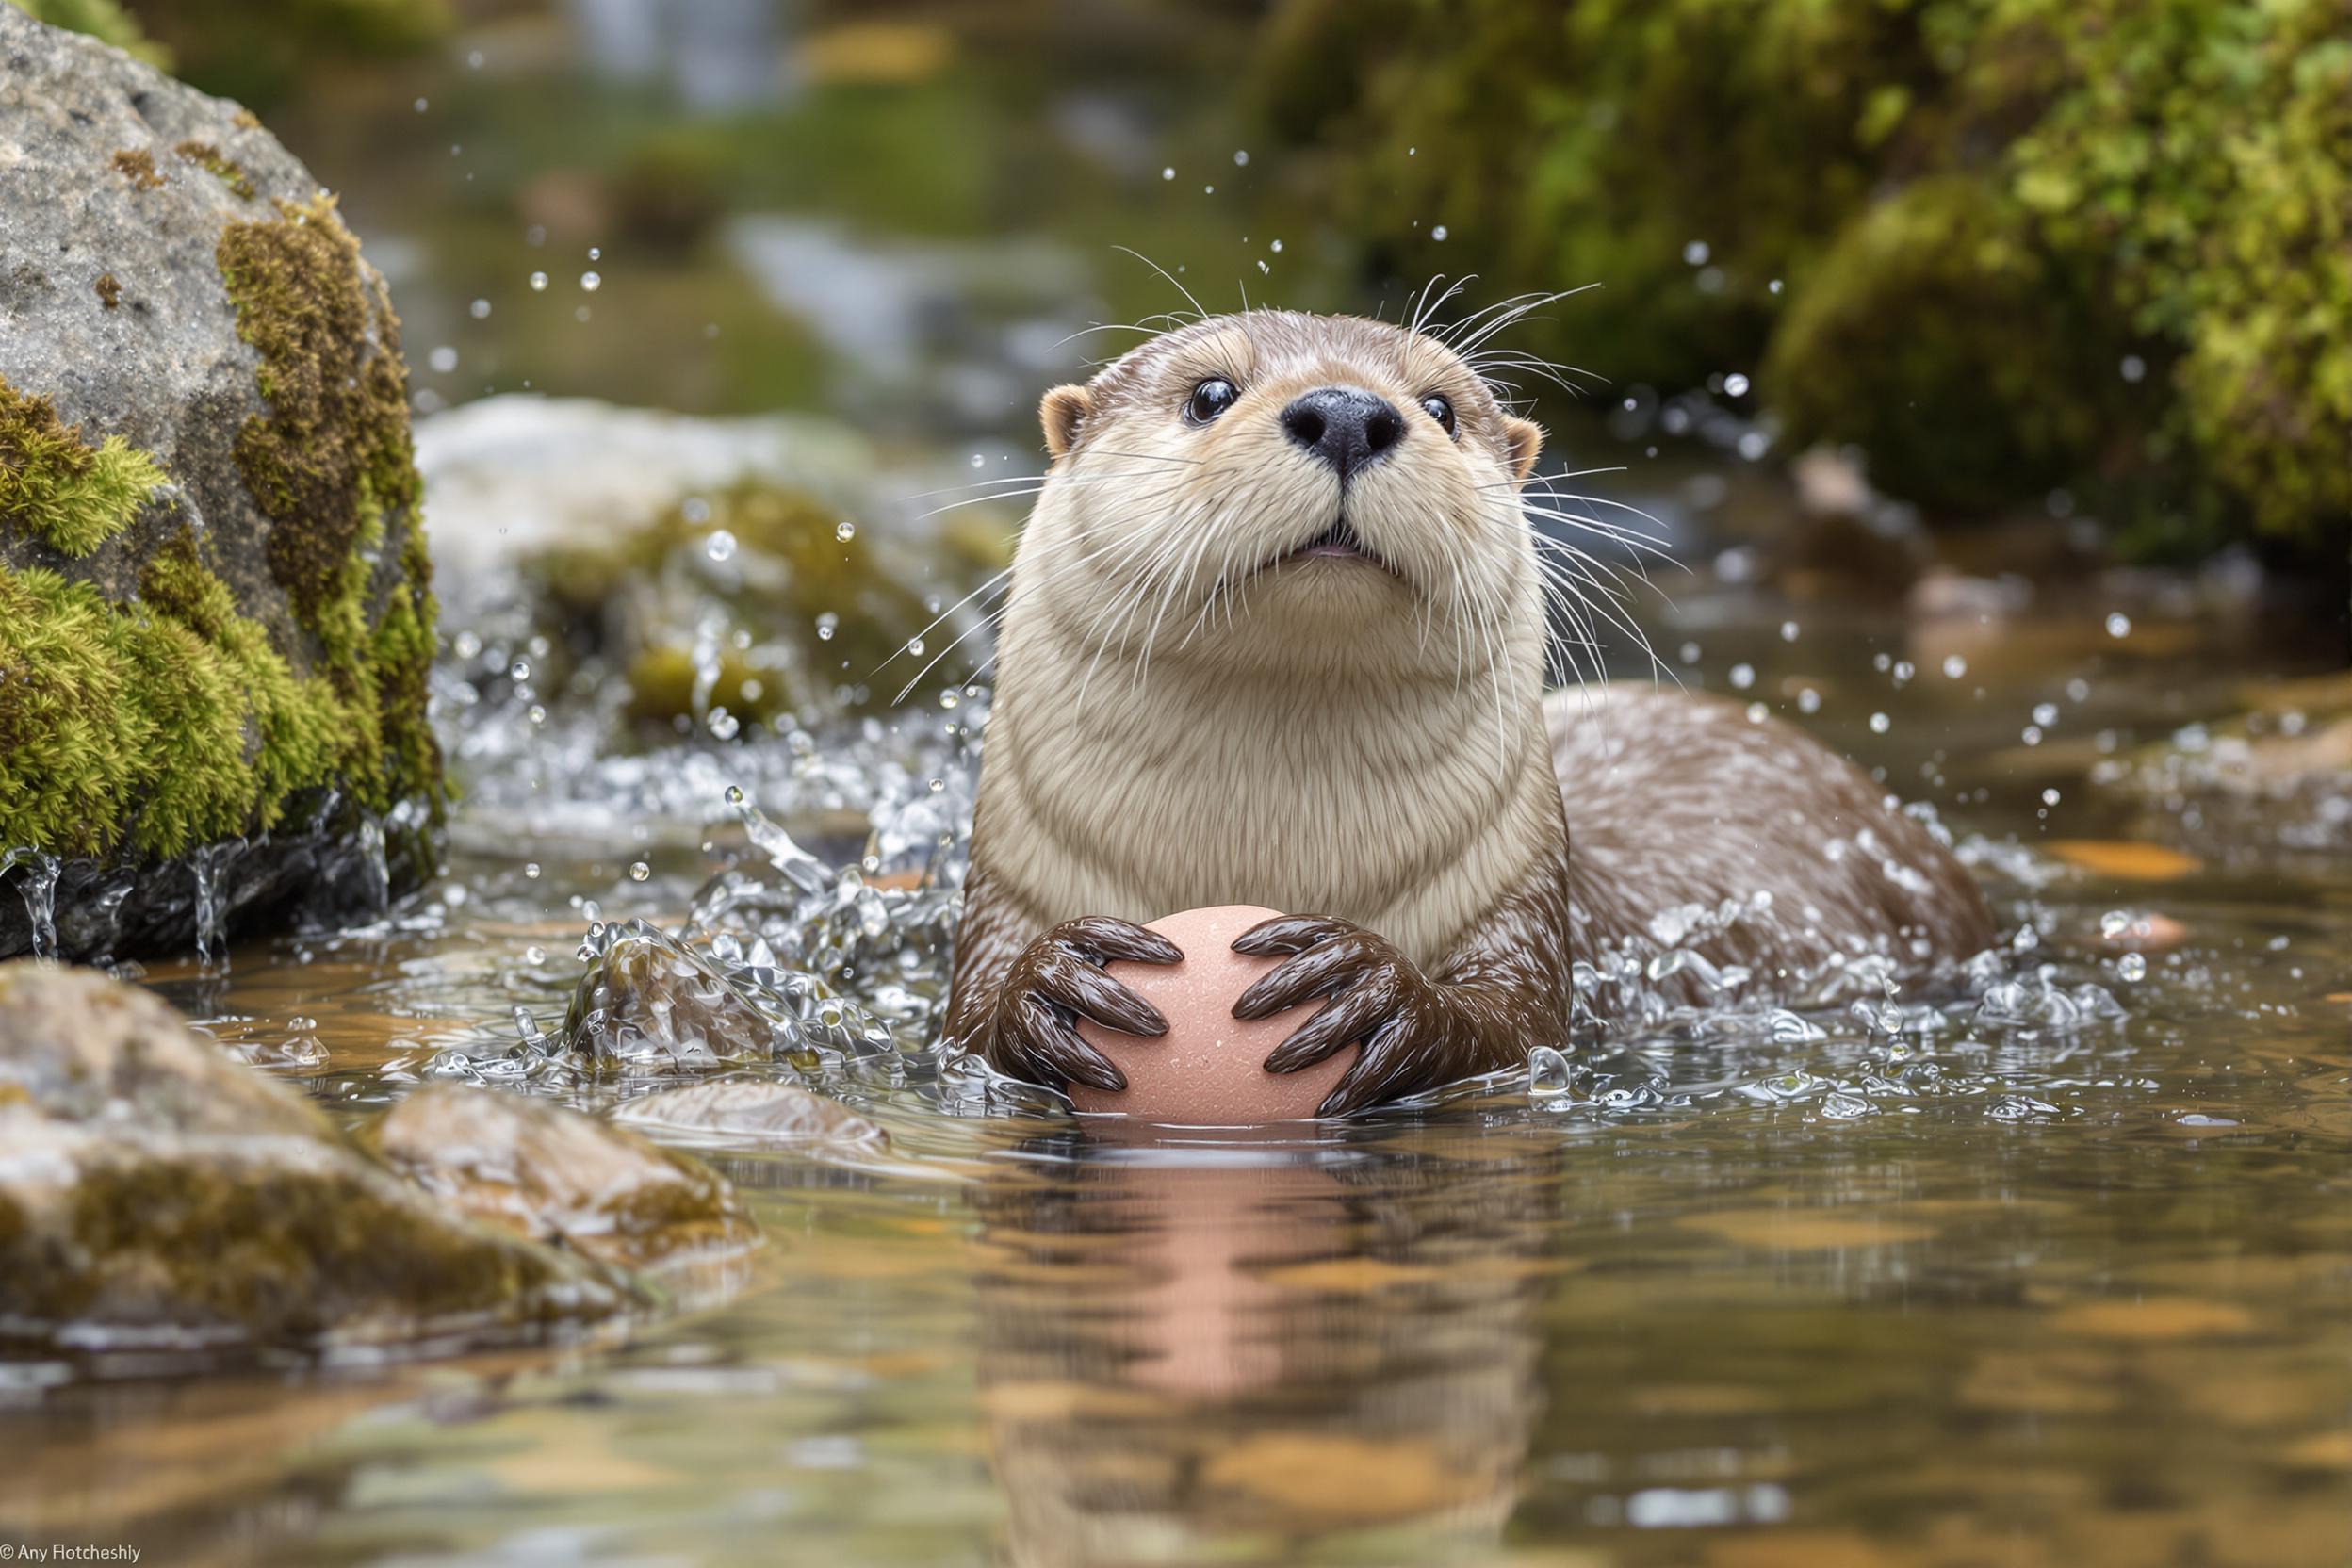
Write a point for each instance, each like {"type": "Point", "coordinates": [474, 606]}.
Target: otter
{"type": "Point", "coordinates": [1276, 635]}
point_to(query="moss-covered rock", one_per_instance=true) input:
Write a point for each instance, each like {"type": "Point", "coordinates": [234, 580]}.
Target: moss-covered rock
{"type": "Point", "coordinates": [818, 613]}
{"type": "Point", "coordinates": [2105, 245]}
{"type": "Point", "coordinates": [159, 1194]}
{"type": "Point", "coordinates": [549, 1172]}
{"type": "Point", "coordinates": [661, 567]}
{"type": "Point", "coordinates": [215, 611]}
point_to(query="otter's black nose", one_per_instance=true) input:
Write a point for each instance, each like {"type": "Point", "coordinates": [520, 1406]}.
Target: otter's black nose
{"type": "Point", "coordinates": [1345, 426]}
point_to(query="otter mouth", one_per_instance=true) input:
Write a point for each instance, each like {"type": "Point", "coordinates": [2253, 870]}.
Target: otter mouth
{"type": "Point", "coordinates": [1338, 542]}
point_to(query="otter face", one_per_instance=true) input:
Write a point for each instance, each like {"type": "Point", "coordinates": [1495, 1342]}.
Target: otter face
{"type": "Point", "coordinates": [1288, 490]}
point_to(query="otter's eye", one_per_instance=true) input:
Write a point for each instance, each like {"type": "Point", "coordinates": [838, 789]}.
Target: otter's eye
{"type": "Point", "coordinates": [1438, 409]}
{"type": "Point", "coordinates": [1210, 398]}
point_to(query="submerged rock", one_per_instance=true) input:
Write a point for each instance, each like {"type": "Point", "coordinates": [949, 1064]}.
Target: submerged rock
{"type": "Point", "coordinates": [157, 1196]}
{"type": "Point", "coordinates": [651, 1005]}
{"type": "Point", "coordinates": [753, 1110]}
{"type": "Point", "coordinates": [215, 617]}
{"type": "Point", "coordinates": [693, 575]}
{"type": "Point", "coordinates": [2275, 777]}
{"type": "Point", "coordinates": [555, 1175]}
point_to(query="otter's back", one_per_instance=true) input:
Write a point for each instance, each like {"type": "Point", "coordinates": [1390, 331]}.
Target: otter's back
{"type": "Point", "coordinates": [1674, 799]}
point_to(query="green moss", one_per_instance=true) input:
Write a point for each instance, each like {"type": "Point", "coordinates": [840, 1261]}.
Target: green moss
{"type": "Point", "coordinates": [331, 465]}
{"type": "Point", "coordinates": [793, 569]}
{"type": "Point", "coordinates": [2167, 184]}
{"type": "Point", "coordinates": [205, 155]}
{"type": "Point", "coordinates": [138, 165]}
{"type": "Point", "coordinates": [158, 727]}
{"type": "Point", "coordinates": [284, 1255]}
{"type": "Point", "coordinates": [58, 488]}
{"type": "Point", "coordinates": [2017, 376]}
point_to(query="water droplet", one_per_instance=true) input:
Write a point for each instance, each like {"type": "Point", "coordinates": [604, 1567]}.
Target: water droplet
{"type": "Point", "coordinates": [519, 670]}
{"type": "Point", "coordinates": [1438, 234]}
{"type": "Point", "coordinates": [1880, 723]}
{"type": "Point", "coordinates": [1169, 173]}
{"type": "Point", "coordinates": [480, 309]}
{"type": "Point", "coordinates": [2118, 625]}
{"type": "Point", "coordinates": [915, 647]}
{"type": "Point", "coordinates": [591, 282]}
{"type": "Point", "coordinates": [639, 871]}
{"type": "Point", "coordinates": [845, 532]}
{"type": "Point", "coordinates": [979, 460]}
{"type": "Point", "coordinates": [443, 360]}
{"type": "Point", "coordinates": [1757, 712]}
{"type": "Point", "coordinates": [1736, 384]}
{"type": "Point", "coordinates": [2131, 966]}
{"type": "Point", "coordinates": [1264, 270]}
{"type": "Point", "coordinates": [2045, 712]}
{"type": "Point", "coordinates": [720, 545]}
{"type": "Point", "coordinates": [1788, 632]}
{"type": "Point", "coordinates": [534, 954]}
{"type": "Point", "coordinates": [2134, 369]}
{"type": "Point", "coordinates": [1695, 253]}
{"type": "Point", "coordinates": [827, 624]}
{"type": "Point", "coordinates": [1241, 160]}
{"type": "Point", "coordinates": [538, 283]}
{"type": "Point", "coordinates": [423, 103]}
{"type": "Point", "coordinates": [531, 870]}
{"type": "Point", "coordinates": [1276, 246]}
{"type": "Point", "coordinates": [2050, 797]}
{"type": "Point", "coordinates": [1772, 287]}
{"type": "Point", "coordinates": [1547, 1073]}
{"type": "Point", "coordinates": [1954, 666]}
{"type": "Point", "coordinates": [1743, 677]}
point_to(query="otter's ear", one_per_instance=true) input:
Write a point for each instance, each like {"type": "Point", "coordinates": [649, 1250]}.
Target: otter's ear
{"type": "Point", "coordinates": [1064, 410]}
{"type": "Point", "coordinates": [1525, 439]}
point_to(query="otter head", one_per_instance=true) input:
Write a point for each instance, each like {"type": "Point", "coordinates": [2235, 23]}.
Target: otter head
{"type": "Point", "coordinates": [1280, 493]}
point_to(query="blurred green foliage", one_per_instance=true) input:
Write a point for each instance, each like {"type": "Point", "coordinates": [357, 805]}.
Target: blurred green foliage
{"type": "Point", "coordinates": [2103, 244]}
{"type": "Point", "coordinates": [253, 51]}
{"type": "Point", "coordinates": [103, 20]}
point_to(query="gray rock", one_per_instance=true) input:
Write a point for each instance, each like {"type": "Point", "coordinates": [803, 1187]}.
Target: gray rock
{"type": "Point", "coordinates": [551, 1173]}
{"type": "Point", "coordinates": [156, 1196]}
{"type": "Point", "coordinates": [215, 613]}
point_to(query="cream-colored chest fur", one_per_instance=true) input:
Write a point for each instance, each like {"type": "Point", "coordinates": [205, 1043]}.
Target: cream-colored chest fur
{"type": "Point", "coordinates": [1384, 802]}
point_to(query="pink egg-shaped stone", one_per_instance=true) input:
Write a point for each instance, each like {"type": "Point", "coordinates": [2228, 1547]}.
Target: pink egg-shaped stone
{"type": "Point", "coordinates": [1209, 1068]}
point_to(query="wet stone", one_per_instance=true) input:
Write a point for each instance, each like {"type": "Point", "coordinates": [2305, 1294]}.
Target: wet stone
{"type": "Point", "coordinates": [752, 1110]}
{"type": "Point", "coordinates": [556, 1175]}
{"type": "Point", "coordinates": [158, 1197]}
{"type": "Point", "coordinates": [650, 1003]}
{"type": "Point", "coordinates": [216, 614]}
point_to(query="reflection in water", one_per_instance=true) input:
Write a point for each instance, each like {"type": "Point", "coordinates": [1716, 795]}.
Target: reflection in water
{"type": "Point", "coordinates": [1179, 1362]}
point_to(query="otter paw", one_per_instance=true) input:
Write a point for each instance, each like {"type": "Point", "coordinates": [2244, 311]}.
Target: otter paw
{"type": "Point", "coordinates": [1377, 998]}
{"type": "Point", "coordinates": [1057, 979]}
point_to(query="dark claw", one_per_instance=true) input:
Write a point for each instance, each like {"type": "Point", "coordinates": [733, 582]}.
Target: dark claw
{"type": "Point", "coordinates": [1287, 934]}
{"type": "Point", "coordinates": [1104, 940]}
{"type": "Point", "coordinates": [1318, 972]}
{"type": "Point", "coordinates": [1085, 990]}
{"type": "Point", "coordinates": [1350, 1017]}
{"type": "Point", "coordinates": [1047, 1043]}
{"type": "Point", "coordinates": [1383, 1065]}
